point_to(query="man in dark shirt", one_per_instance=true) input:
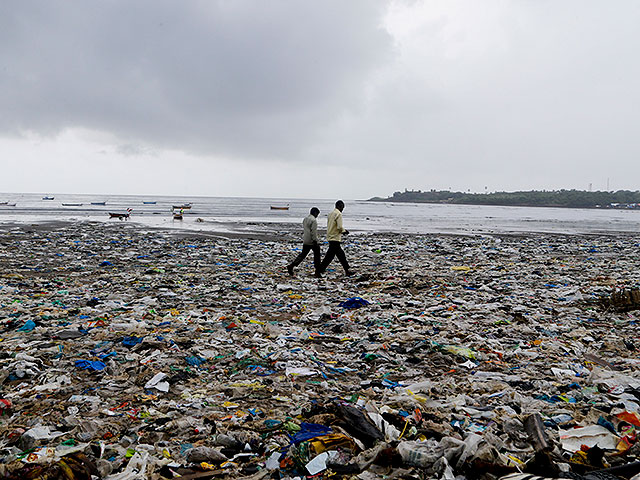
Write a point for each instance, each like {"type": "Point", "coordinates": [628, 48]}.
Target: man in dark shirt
{"type": "Point", "coordinates": [309, 241]}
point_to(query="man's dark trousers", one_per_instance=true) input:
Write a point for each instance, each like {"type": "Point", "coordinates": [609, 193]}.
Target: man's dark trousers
{"type": "Point", "coordinates": [335, 250]}
{"type": "Point", "coordinates": [303, 254]}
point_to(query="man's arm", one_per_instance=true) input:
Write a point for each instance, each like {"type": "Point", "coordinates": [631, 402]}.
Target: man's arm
{"type": "Point", "coordinates": [341, 229]}
{"type": "Point", "coordinates": [314, 231]}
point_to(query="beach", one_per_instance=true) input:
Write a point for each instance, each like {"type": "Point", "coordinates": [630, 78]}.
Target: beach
{"type": "Point", "coordinates": [139, 352]}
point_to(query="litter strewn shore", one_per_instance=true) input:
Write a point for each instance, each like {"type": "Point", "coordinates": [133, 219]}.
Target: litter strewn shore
{"type": "Point", "coordinates": [129, 354]}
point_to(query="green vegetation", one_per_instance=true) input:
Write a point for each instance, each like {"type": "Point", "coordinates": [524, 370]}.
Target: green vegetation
{"type": "Point", "coordinates": [533, 198]}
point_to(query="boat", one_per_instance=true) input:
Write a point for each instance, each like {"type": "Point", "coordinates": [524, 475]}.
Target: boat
{"type": "Point", "coordinates": [148, 203]}
{"type": "Point", "coordinates": [98, 203]}
{"type": "Point", "coordinates": [121, 216]}
{"type": "Point", "coordinates": [280, 207]}
{"type": "Point", "coordinates": [48, 198]}
{"type": "Point", "coordinates": [4, 203]}
{"type": "Point", "coordinates": [71, 204]}
{"type": "Point", "coordinates": [7, 204]}
{"type": "Point", "coordinates": [184, 206]}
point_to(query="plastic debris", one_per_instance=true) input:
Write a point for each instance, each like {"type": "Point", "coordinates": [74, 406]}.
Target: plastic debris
{"type": "Point", "coordinates": [130, 354]}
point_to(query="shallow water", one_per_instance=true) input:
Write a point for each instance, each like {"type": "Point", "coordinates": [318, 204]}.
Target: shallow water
{"type": "Point", "coordinates": [225, 214]}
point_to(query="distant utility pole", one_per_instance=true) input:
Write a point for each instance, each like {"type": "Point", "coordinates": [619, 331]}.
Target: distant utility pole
{"type": "Point", "coordinates": [590, 186]}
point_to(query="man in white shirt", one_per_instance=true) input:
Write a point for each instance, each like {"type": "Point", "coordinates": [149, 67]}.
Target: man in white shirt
{"type": "Point", "coordinates": [334, 237]}
{"type": "Point", "coordinates": [309, 241]}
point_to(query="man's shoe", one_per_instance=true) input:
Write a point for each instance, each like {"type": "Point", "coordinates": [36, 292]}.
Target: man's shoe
{"type": "Point", "coordinates": [290, 270]}
{"type": "Point", "coordinates": [348, 273]}
{"type": "Point", "coordinates": [317, 274]}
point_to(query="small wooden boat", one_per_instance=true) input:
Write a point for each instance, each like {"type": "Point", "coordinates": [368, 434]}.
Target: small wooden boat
{"type": "Point", "coordinates": [280, 208]}
{"type": "Point", "coordinates": [120, 216]}
{"type": "Point", "coordinates": [148, 203]}
{"type": "Point", "coordinates": [4, 203]}
{"type": "Point", "coordinates": [48, 198]}
{"type": "Point", "coordinates": [98, 203]}
{"type": "Point", "coordinates": [184, 206]}
{"type": "Point", "coordinates": [71, 204]}
{"type": "Point", "coordinates": [7, 204]}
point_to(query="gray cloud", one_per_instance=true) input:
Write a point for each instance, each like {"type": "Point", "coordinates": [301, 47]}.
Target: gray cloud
{"type": "Point", "coordinates": [249, 79]}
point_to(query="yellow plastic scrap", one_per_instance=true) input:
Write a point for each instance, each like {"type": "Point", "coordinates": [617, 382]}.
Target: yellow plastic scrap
{"type": "Point", "coordinates": [623, 445]}
{"type": "Point", "coordinates": [419, 398]}
{"type": "Point", "coordinates": [515, 461]}
{"type": "Point", "coordinates": [332, 442]}
{"type": "Point", "coordinates": [174, 312]}
{"type": "Point", "coordinates": [404, 429]}
{"type": "Point", "coordinates": [580, 458]}
{"type": "Point", "coordinates": [461, 351]}
{"type": "Point", "coordinates": [461, 268]}
{"type": "Point", "coordinates": [66, 469]}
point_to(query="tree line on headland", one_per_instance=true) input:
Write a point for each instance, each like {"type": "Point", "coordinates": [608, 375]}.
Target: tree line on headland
{"type": "Point", "coordinates": [533, 198]}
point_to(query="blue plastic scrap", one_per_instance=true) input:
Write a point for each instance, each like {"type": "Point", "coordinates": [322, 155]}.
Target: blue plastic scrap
{"type": "Point", "coordinates": [93, 366]}
{"type": "Point", "coordinates": [131, 341]}
{"type": "Point", "coordinates": [308, 431]}
{"type": "Point", "coordinates": [28, 326]}
{"type": "Point", "coordinates": [105, 355]}
{"type": "Point", "coordinates": [195, 361]}
{"type": "Point", "coordinates": [354, 302]}
{"type": "Point", "coordinates": [390, 384]}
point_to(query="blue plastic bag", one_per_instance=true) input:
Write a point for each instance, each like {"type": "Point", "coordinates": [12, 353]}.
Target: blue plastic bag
{"type": "Point", "coordinates": [354, 302]}
{"type": "Point", "coordinates": [93, 366]}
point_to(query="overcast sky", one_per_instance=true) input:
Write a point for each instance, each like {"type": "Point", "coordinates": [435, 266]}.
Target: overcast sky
{"type": "Point", "coordinates": [318, 99]}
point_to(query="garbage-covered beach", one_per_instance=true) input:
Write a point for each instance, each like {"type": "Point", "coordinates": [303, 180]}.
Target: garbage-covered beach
{"type": "Point", "coordinates": [137, 353]}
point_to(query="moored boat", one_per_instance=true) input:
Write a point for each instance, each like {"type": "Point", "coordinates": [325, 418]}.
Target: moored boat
{"type": "Point", "coordinates": [71, 204]}
{"type": "Point", "coordinates": [148, 203]}
{"type": "Point", "coordinates": [120, 215]}
{"type": "Point", "coordinates": [48, 198]}
{"type": "Point", "coordinates": [285, 207]}
{"type": "Point", "coordinates": [184, 206]}
{"type": "Point", "coordinates": [98, 203]}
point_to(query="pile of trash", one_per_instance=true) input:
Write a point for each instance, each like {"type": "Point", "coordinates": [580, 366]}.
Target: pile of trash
{"type": "Point", "coordinates": [129, 354]}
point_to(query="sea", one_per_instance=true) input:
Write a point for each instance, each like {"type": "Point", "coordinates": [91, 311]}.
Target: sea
{"type": "Point", "coordinates": [246, 215]}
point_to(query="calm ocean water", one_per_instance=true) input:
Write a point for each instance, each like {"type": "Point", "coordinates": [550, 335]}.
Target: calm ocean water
{"type": "Point", "coordinates": [254, 214]}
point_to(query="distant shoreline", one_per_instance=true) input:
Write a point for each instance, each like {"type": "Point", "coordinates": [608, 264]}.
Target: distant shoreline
{"type": "Point", "coordinates": [622, 199]}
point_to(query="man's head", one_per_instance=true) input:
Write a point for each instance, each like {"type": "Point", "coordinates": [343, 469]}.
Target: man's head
{"type": "Point", "coordinates": [315, 212]}
{"type": "Point", "coordinates": [340, 205]}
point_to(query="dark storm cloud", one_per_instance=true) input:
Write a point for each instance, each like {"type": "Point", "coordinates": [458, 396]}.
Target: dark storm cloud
{"type": "Point", "coordinates": [233, 78]}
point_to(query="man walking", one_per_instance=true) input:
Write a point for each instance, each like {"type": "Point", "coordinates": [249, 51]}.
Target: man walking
{"type": "Point", "coordinates": [334, 237]}
{"type": "Point", "coordinates": [309, 241]}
